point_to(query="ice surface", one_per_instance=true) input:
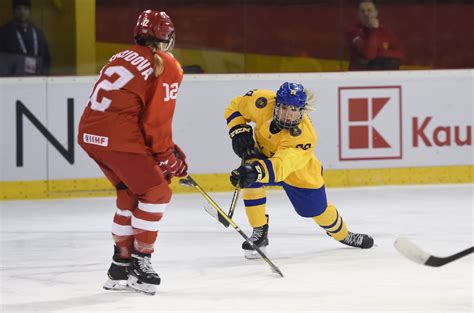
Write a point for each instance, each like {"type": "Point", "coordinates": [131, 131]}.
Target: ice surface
{"type": "Point", "coordinates": [55, 253]}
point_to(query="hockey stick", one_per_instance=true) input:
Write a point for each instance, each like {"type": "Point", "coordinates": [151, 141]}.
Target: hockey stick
{"type": "Point", "coordinates": [233, 203]}
{"type": "Point", "coordinates": [219, 217]}
{"type": "Point", "coordinates": [189, 181]}
{"type": "Point", "coordinates": [237, 189]}
{"type": "Point", "coordinates": [414, 253]}
{"type": "Point", "coordinates": [207, 206]}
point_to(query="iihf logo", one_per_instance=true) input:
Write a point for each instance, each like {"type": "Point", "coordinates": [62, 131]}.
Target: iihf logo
{"type": "Point", "coordinates": [370, 123]}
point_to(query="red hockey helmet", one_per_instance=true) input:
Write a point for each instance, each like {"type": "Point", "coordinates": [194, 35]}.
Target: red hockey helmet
{"type": "Point", "coordinates": [156, 26]}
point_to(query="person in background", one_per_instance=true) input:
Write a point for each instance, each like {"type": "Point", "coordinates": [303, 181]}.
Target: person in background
{"type": "Point", "coordinates": [23, 47]}
{"type": "Point", "coordinates": [373, 46]}
{"type": "Point", "coordinates": [126, 129]}
{"type": "Point", "coordinates": [280, 152]}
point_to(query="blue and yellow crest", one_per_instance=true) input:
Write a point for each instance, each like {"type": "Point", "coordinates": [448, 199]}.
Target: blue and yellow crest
{"type": "Point", "coordinates": [295, 131]}
{"type": "Point", "coordinates": [261, 102]}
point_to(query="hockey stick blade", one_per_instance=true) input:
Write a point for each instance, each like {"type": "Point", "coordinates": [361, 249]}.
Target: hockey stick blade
{"type": "Point", "coordinates": [185, 182]}
{"type": "Point", "coordinates": [207, 207]}
{"type": "Point", "coordinates": [417, 255]}
{"type": "Point", "coordinates": [222, 214]}
{"type": "Point", "coordinates": [215, 214]}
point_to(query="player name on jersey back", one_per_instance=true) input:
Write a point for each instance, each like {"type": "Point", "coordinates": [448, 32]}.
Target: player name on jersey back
{"type": "Point", "coordinates": [141, 63]}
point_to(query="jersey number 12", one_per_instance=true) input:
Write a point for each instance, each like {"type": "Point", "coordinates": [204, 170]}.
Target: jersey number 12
{"type": "Point", "coordinates": [171, 91]}
{"type": "Point", "coordinates": [124, 76]}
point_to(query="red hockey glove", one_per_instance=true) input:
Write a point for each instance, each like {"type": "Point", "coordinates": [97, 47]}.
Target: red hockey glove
{"type": "Point", "coordinates": [172, 162]}
{"type": "Point", "coordinates": [182, 169]}
{"type": "Point", "coordinates": [180, 154]}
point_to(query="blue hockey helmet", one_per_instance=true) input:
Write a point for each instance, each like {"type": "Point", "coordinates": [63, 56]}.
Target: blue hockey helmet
{"type": "Point", "coordinates": [291, 100]}
{"type": "Point", "coordinates": [291, 94]}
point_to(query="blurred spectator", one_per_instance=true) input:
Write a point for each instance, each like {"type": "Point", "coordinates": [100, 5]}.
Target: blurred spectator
{"type": "Point", "coordinates": [23, 47]}
{"type": "Point", "coordinates": [373, 46]}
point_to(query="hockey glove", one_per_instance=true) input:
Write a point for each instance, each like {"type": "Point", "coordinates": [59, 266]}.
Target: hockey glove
{"type": "Point", "coordinates": [180, 154]}
{"type": "Point", "coordinates": [172, 162]}
{"type": "Point", "coordinates": [246, 175]}
{"type": "Point", "coordinates": [242, 140]}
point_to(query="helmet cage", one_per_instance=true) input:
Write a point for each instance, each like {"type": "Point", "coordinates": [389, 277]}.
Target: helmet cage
{"type": "Point", "coordinates": [287, 116]}
{"type": "Point", "coordinates": [291, 102]}
{"type": "Point", "coordinates": [166, 45]}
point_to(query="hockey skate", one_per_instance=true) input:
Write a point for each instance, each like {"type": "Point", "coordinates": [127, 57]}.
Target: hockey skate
{"type": "Point", "coordinates": [259, 238]}
{"type": "Point", "coordinates": [358, 240]}
{"type": "Point", "coordinates": [117, 273]}
{"type": "Point", "coordinates": [142, 276]}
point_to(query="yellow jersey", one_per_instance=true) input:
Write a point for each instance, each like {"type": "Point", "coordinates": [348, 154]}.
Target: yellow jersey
{"type": "Point", "coordinates": [289, 153]}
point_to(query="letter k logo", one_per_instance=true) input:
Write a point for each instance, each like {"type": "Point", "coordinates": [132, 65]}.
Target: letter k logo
{"type": "Point", "coordinates": [362, 134]}
{"type": "Point", "coordinates": [370, 123]}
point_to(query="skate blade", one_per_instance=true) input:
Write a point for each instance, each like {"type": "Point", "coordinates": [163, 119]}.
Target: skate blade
{"type": "Point", "coordinates": [116, 285]}
{"type": "Point", "coordinates": [252, 254]}
{"type": "Point", "coordinates": [139, 286]}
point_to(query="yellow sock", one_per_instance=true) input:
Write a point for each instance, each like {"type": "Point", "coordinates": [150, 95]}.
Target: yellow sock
{"type": "Point", "coordinates": [255, 199]}
{"type": "Point", "coordinates": [332, 222]}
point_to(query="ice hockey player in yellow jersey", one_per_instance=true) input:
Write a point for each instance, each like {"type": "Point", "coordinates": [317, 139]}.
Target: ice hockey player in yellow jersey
{"type": "Point", "coordinates": [281, 154]}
